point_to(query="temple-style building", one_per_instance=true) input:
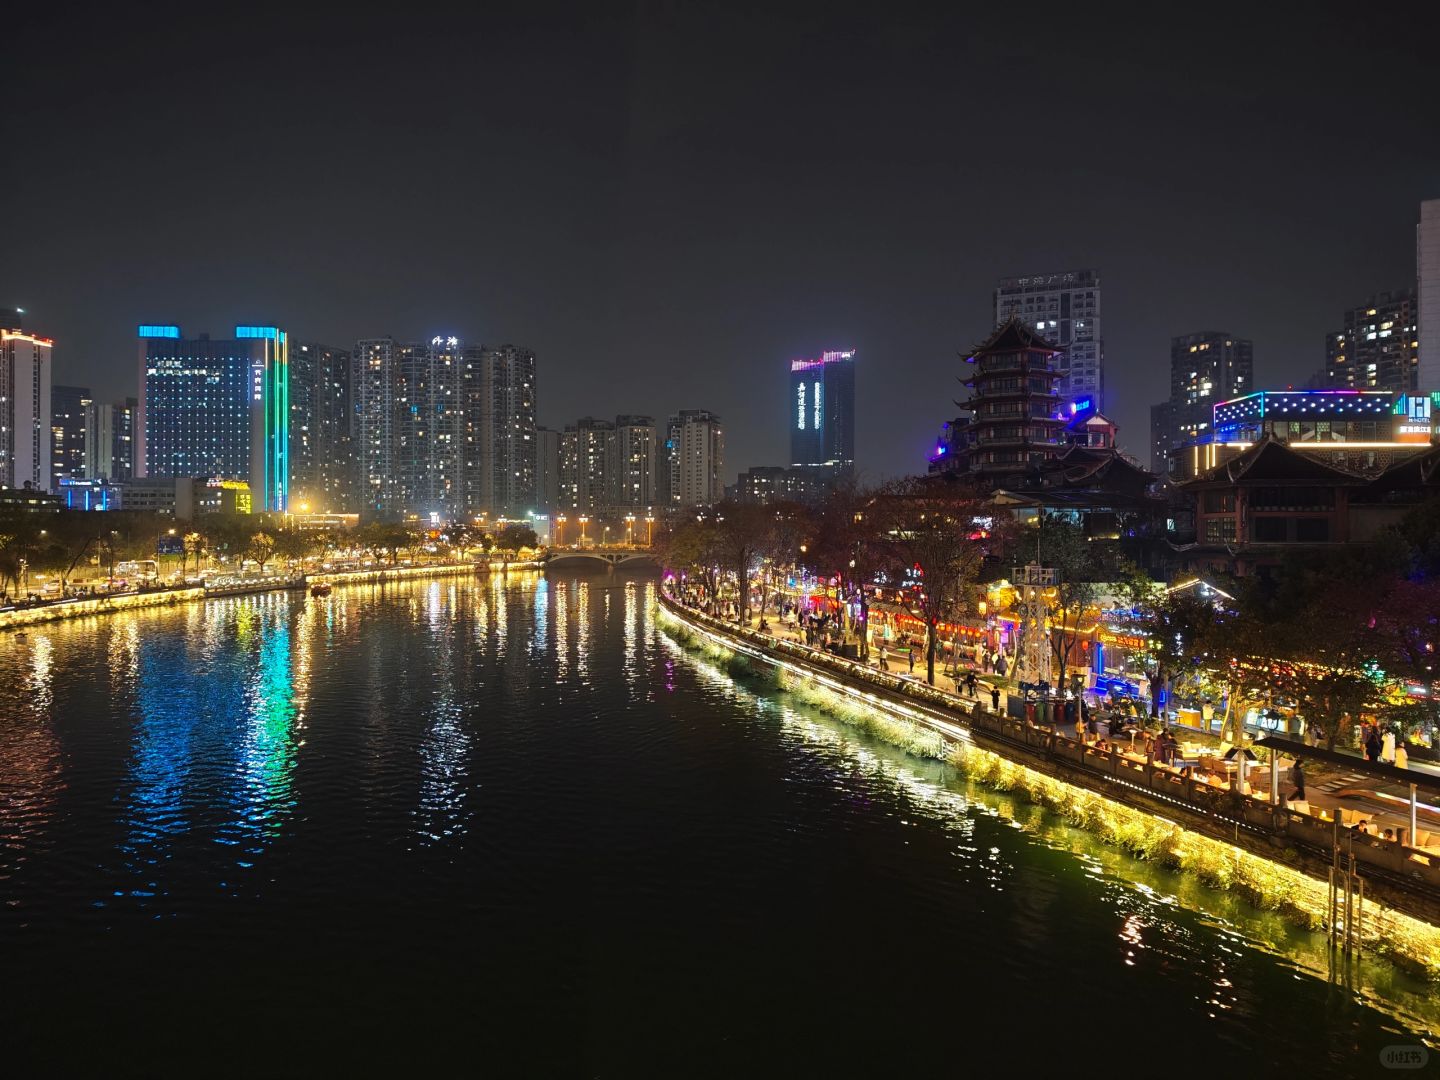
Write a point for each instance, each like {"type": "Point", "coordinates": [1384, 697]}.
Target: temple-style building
{"type": "Point", "coordinates": [1015, 423]}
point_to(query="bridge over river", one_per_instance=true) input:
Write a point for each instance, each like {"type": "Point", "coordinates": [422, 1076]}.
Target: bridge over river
{"type": "Point", "coordinates": [635, 555]}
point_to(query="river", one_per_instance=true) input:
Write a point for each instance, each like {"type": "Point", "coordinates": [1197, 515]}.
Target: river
{"type": "Point", "coordinates": [509, 826]}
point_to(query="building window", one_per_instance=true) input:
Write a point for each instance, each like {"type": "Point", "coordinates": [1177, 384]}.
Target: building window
{"type": "Point", "coordinates": [1220, 530]}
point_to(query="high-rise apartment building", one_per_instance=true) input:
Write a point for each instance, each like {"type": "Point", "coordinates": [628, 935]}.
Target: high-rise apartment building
{"type": "Point", "coordinates": [547, 470]}
{"type": "Point", "coordinates": [587, 465]}
{"type": "Point", "coordinates": [1427, 271]}
{"type": "Point", "coordinates": [1162, 435]}
{"type": "Point", "coordinates": [1205, 367]}
{"type": "Point", "coordinates": [500, 451]}
{"type": "Point", "coordinates": [1065, 309]}
{"type": "Point", "coordinates": [1379, 347]}
{"type": "Point", "coordinates": [667, 466]}
{"type": "Point", "coordinates": [217, 407]}
{"type": "Point", "coordinates": [70, 408]}
{"type": "Point", "coordinates": [322, 451]}
{"type": "Point", "coordinates": [110, 440]}
{"type": "Point", "coordinates": [25, 365]}
{"type": "Point", "coordinates": [698, 461]}
{"type": "Point", "coordinates": [124, 439]}
{"type": "Point", "coordinates": [821, 408]}
{"type": "Point", "coordinates": [408, 426]}
{"type": "Point", "coordinates": [371, 386]}
{"type": "Point", "coordinates": [633, 484]}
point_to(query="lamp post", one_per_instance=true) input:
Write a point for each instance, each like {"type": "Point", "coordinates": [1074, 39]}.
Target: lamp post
{"type": "Point", "coordinates": [630, 529]}
{"type": "Point", "coordinates": [559, 530]}
{"type": "Point", "coordinates": [583, 522]}
{"type": "Point", "coordinates": [649, 530]}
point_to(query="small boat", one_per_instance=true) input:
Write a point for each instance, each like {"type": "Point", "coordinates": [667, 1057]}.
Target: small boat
{"type": "Point", "coordinates": [321, 588]}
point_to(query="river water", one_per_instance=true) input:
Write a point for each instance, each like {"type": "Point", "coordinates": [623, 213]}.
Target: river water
{"type": "Point", "coordinates": [510, 827]}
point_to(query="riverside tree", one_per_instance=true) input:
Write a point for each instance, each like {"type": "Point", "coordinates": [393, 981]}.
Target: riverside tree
{"type": "Point", "coordinates": [943, 531]}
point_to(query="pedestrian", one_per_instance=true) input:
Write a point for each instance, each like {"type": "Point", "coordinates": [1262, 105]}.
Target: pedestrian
{"type": "Point", "coordinates": [912, 661]}
{"type": "Point", "coordinates": [1402, 756]}
{"type": "Point", "coordinates": [884, 659]}
{"type": "Point", "coordinates": [1387, 746]}
{"type": "Point", "coordinates": [970, 684]}
{"type": "Point", "coordinates": [995, 699]}
{"type": "Point", "coordinates": [1373, 745]}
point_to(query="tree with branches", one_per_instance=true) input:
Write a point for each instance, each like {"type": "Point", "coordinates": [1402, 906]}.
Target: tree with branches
{"type": "Point", "coordinates": [941, 532]}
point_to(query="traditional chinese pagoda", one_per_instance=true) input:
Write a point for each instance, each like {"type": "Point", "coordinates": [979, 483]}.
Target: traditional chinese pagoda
{"type": "Point", "coordinates": [1015, 424]}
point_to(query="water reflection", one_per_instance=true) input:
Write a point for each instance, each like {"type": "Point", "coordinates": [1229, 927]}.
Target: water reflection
{"type": "Point", "coordinates": [440, 812]}
{"type": "Point", "coordinates": [268, 748]}
{"type": "Point", "coordinates": [1158, 913]}
{"type": "Point", "coordinates": [31, 760]}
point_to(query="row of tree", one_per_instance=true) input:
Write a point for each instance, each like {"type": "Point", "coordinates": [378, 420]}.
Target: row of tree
{"type": "Point", "coordinates": [63, 545]}
{"type": "Point", "coordinates": [1339, 637]}
{"type": "Point", "coordinates": [930, 538]}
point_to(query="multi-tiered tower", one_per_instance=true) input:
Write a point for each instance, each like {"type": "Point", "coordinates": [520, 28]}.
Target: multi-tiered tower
{"type": "Point", "coordinates": [1015, 408]}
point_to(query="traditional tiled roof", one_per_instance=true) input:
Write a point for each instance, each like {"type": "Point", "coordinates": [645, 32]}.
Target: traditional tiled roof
{"type": "Point", "coordinates": [1271, 459]}
{"type": "Point", "coordinates": [1012, 335]}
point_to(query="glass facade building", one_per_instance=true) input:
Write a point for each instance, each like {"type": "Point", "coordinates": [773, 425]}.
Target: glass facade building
{"type": "Point", "coordinates": [821, 408]}
{"type": "Point", "coordinates": [217, 407]}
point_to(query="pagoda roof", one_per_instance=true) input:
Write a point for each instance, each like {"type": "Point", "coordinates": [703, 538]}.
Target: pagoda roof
{"type": "Point", "coordinates": [1271, 459]}
{"type": "Point", "coordinates": [1419, 470]}
{"type": "Point", "coordinates": [1013, 335]}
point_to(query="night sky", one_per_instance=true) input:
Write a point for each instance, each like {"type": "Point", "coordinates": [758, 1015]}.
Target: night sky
{"type": "Point", "coordinates": [668, 203]}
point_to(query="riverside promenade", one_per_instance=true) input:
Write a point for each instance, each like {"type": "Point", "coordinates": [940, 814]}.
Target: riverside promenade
{"type": "Point", "coordinates": [17, 618]}
{"type": "Point", "coordinates": [1310, 841]}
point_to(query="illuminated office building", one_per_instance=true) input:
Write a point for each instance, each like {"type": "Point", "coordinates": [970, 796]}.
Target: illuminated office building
{"type": "Point", "coordinates": [70, 408]}
{"type": "Point", "coordinates": [216, 407]}
{"type": "Point", "coordinates": [821, 410]}
{"type": "Point", "coordinates": [110, 440]}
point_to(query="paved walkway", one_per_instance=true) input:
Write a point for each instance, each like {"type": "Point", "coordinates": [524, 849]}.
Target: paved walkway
{"type": "Point", "coordinates": [1351, 796]}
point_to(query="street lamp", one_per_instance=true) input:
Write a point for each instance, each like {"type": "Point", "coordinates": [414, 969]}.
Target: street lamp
{"type": "Point", "coordinates": [583, 522]}
{"type": "Point", "coordinates": [559, 530]}
{"type": "Point", "coordinates": [649, 530]}
{"type": "Point", "coordinates": [630, 529]}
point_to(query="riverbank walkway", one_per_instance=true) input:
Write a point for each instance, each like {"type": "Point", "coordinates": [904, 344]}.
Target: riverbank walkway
{"type": "Point", "coordinates": [1332, 792]}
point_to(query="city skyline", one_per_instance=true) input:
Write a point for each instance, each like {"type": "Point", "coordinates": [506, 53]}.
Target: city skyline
{"type": "Point", "coordinates": [575, 249]}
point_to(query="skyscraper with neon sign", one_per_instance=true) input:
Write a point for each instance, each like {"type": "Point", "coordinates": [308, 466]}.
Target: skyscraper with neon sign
{"type": "Point", "coordinates": [217, 407]}
{"type": "Point", "coordinates": [821, 409]}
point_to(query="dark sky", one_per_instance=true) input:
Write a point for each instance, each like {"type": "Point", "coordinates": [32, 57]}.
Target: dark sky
{"type": "Point", "coordinates": [667, 202]}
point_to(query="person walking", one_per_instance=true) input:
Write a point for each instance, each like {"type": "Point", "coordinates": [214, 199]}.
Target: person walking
{"type": "Point", "coordinates": [995, 699]}
{"type": "Point", "coordinates": [1297, 777]}
{"type": "Point", "coordinates": [912, 660]}
{"type": "Point", "coordinates": [970, 684]}
{"type": "Point", "coordinates": [884, 659]}
{"type": "Point", "coordinates": [1373, 745]}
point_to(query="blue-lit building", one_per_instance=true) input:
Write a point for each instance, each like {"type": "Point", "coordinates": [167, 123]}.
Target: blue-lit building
{"type": "Point", "coordinates": [1364, 431]}
{"type": "Point", "coordinates": [216, 407]}
{"type": "Point", "coordinates": [821, 408]}
{"type": "Point", "coordinates": [1307, 416]}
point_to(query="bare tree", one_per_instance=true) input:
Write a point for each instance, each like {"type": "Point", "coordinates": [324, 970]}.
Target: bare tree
{"type": "Point", "coordinates": [942, 529]}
